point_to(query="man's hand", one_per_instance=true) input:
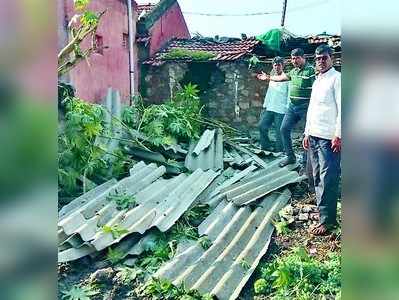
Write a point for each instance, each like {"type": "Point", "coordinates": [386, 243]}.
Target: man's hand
{"type": "Point", "coordinates": [263, 76]}
{"type": "Point", "coordinates": [336, 144]}
{"type": "Point", "coordinates": [305, 142]}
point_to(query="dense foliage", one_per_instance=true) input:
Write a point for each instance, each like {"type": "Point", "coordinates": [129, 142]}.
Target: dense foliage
{"type": "Point", "coordinates": [174, 121]}
{"type": "Point", "coordinates": [82, 155]}
{"type": "Point", "coordinates": [296, 275]}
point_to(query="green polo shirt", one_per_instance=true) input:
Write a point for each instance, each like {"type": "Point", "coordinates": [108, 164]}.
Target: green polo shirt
{"type": "Point", "coordinates": [301, 81]}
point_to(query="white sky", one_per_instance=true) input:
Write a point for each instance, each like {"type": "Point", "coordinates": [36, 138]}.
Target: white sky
{"type": "Point", "coordinates": [303, 17]}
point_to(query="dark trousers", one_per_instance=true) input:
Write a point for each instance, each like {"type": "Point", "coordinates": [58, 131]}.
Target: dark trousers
{"type": "Point", "coordinates": [267, 119]}
{"type": "Point", "coordinates": [294, 114]}
{"type": "Point", "coordinates": [326, 171]}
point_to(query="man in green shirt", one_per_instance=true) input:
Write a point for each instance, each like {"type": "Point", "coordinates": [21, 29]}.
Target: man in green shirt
{"type": "Point", "coordinates": [301, 79]}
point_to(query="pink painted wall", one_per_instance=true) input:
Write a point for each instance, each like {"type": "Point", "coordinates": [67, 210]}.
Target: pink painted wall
{"type": "Point", "coordinates": [110, 69]}
{"type": "Point", "coordinates": [168, 26]}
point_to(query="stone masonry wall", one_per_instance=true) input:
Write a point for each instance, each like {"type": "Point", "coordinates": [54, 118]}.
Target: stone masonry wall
{"type": "Point", "coordinates": [233, 95]}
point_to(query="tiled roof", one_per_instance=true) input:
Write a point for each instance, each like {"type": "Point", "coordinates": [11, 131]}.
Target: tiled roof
{"type": "Point", "coordinates": [145, 7]}
{"type": "Point", "coordinates": [224, 51]}
{"type": "Point", "coordinates": [332, 40]}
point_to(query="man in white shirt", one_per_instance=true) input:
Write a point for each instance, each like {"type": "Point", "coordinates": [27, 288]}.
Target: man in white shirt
{"type": "Point", "coordinates": [323, 138]}
{"type": "Point", "coordinates": [275, 107]}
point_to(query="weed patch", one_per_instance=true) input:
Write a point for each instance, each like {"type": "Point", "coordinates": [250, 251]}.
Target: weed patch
{"type": "Point", "coordinates": [163, 289]}
{"type": "Point", "coordinates": [116, 230]}
{"type": "Point", "coordinates": [79, 292]}
{"type": "Point", "coordinates": [296, 275]}
{"type": "Point", "coordinates": [180, 53]}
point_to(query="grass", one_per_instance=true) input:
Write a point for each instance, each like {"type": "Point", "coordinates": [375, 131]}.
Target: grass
{"type": "Point", "coordinates": [180, 53]}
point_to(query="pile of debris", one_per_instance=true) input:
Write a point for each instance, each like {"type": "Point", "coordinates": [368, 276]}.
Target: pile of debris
{"type": "Point", "coordinates": [243, 186]}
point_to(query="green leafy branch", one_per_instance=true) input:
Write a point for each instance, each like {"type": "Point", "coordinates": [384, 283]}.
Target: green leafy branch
{"type": "Point", "coordinates": [80, 27]}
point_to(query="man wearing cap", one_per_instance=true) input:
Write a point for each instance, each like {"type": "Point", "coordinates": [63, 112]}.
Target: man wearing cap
{"type": "Point", "coordinates": [323, 138]}
{"type": "Point", "coordinates": [301, 79]}
{"type": "Point", "coordinates": [274, 106]}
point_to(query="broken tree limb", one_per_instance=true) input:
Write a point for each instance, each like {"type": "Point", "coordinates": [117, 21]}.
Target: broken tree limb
{"type": "Point", "coordinates": [65, 62]}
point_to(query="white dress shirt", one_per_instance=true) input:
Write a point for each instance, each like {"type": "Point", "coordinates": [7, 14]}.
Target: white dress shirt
{"type": "Point", "coordinates": [324, 113]}
{"type": "Point", "coordinates": [276, 98]}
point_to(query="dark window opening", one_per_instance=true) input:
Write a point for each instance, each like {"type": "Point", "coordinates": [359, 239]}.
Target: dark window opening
{"type": "Point", "coordinates": [204, 75]}
{"type": "Point", "coordinates": [99, 44]}
{"type": "Point", "coordinates": [125, 40]}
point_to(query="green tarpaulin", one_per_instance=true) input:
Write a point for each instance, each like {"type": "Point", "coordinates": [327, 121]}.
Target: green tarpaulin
{"type": "Point", "coordinates": [271, 39]}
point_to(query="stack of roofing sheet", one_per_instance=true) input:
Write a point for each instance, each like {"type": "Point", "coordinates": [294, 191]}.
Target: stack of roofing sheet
{"type": "Point", "coordinates": [240, 236]}
{"type": "Point", "coordinates": [261, 183]}
{"type": "Point", "coordinates": [160, 203]}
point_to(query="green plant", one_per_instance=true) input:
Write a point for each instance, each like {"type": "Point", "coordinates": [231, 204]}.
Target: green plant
{"type": "Point", "coordinates": [131, 116]}
{"type": "Point", "coordinates": [177, 118]}
{"type": "Point", "coordinates": [164, 289]}
{"type": "Point", "coordinates": [90, 19]}
{"type": "Point", "coordinates": [114, 256]}
{"type": "Point", "coordinates": [81, 4]}
{"type": "Point", "coordinates": [82, 25]}
{"type": "Point", "coordinates": [205, 242]}
{"type": "Point", "coordinates": [260, 286]}
{"type": "Point", "coordinates": [128, 275]}
{"type": "Point", "coordinates": [253, 61]}
{"type": "Point", "coordinates": [196, 214]}
{"type": "Point", "coordinates": [77, 292]}
{"type": "Point", "coordinates": [162, 250]}
{"type": "Point", "coordinates": [81, 155]}
{"type": "Point", "coordinates": [183, 230]}
{"type": "Point", "coordinates": [116, 230]}
{"type": "Point", "coordinates": [78, 155]}
{"type": "Point", "coordinates": [180, 53]}
{"type": "Point", "coordinates": [296, 275]}
{"type": "Point", "coordinates": [123, 201]}
{"type": "Point", "coordinates": [245, 264]}
{"type": "Point", "coordinates": [282, 227]}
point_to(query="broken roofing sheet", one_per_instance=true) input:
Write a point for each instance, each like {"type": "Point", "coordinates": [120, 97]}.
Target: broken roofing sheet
{"type": "Point", "coordinates": [239, 238]}
{"type": "Point", "coordinates": [207, 153]}
{"type": "Point", "coordinates": [262, 183]}
{"type": "Point", "coordinates": [159, 203]}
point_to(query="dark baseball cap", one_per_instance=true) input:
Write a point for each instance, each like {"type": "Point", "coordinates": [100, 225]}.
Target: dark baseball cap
{"type": "Point", "coordinates": [278, 60]}
{"type": "Point", "coordinates": [297, 52]}
{"type": "Point", "coordinates": [323, 49]}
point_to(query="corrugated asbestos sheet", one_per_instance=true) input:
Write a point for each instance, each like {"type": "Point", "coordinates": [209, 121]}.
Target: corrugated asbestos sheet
{"type": "Point", "coordinates": [240, 237]}
{"type": "Point", "coordinates": [262, 183]}
{"type": "Point", "coordinates": [207, 153]}
{"type": "Point", "coordinates": [214, 197]}
{"type": "Point", "coordinates": [160, 203]}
